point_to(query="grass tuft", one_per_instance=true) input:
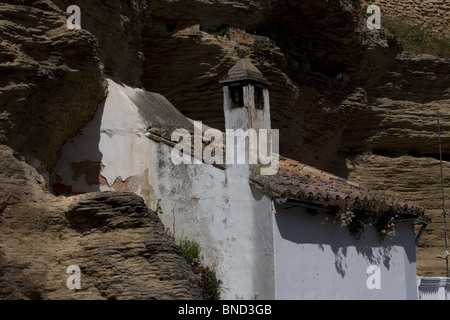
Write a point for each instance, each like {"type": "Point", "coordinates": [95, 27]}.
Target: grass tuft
{"type": "Point", "coordinates": [418, 38]}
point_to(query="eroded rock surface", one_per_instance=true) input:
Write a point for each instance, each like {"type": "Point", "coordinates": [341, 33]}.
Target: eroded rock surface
{"type": "Point", "coordinates": [118, 243]}
{"type": "Point", "coordinates": [51, 79]}
{"type": "Point", "coordinates": [318, 57]}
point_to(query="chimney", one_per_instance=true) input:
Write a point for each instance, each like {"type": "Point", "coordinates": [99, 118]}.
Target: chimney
{"type": "Point", "coordinates": [247, 107]}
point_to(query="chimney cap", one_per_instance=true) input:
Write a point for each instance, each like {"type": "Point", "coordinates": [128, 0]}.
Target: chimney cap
{"type": "Point", "coordinates": [242, 71]}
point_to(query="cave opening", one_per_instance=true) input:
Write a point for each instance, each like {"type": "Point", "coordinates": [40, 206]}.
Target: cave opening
{"type": "Point", "coordinates": [171, 27]}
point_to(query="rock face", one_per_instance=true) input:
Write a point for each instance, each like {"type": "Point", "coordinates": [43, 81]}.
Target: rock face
{"type": "Point", "coordinates": [116, 25]}
{"type": "Point", "coordinates": [393, 145]}
{"type": "Point", "coordinates": [433, 14]}
{"type": "Point", "coordinates": [210, 14]}
{"type": "Point", "coordinates": [190, 39]}
{"type": "Point", "coordinates": [51, 79]}
{"type": "Point", "coordinates": [18, 180]}
{"type": "Point", "coordinates": [118, 243]}
{"type": "Point", "coordinates": [300, 47]}
{"type": "Point", "coordinates": [402, 114]}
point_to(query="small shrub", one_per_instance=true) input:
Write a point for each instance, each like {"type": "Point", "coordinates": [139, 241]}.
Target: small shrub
{"type": "Point", "coordinates": [418, 38]}
{"type": "Point", "coordinates": [158, 207]}
{"type": "Point", "coordinates": [443, 47]}
{"type": "Point", "coordinates": [382, 211]}
{"type": "Point", "coordinates": [417, 35]}
{"type": "Point", "coordinates": [210, 284]}
{"type": "Point", "coordinates": [208, 281]}
{"type": "Point", "coordinates": [222, 31]}
{"type": "Point", "coordinates": [242, 53]}
{"type": "Point", "coordinates": [258, 50]}
{"type": "Point", "coordinates": [190, 251]}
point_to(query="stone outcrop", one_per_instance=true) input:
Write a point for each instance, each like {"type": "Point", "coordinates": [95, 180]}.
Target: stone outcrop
{"type": "Point", "coordinates": [18, 180]}
{"type": "Point", "coordinates": [116, 26]}
{"type": "Point", "coordinates": [402, 114]}
{"type": "Point", "coordinates": [180, 14]}
{"type": "Point", "coordinates": [118, 243]}
{"type": "Point", "coordinates": [51, 80]}
{"type": "Point", "coordinates": [432, 13]}
{"type": "Point", "coordinates": [198, 41]}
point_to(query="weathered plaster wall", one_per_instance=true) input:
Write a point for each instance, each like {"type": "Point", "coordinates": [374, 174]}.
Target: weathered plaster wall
{"type": "Point", "coordinates": [230, 220]}
{"type": "Point", "coordinates": [111, 152]}
{"type": "Point", "coordinates": [329, 263]}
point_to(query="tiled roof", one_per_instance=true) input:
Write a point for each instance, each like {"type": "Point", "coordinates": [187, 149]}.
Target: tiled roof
{"type": "Point", "coordinates": [305, 183]}
{"type": "Point", "coordinates": [244, 70]}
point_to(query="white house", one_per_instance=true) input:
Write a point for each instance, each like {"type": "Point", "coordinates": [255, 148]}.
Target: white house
{"type": "Point", "coordinates": [267, 236]}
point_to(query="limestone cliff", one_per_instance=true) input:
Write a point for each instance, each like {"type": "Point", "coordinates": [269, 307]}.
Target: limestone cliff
{"type": "Point", "coordinates": [432, 13]}
{"type": "Point", "coordinates": [51, 81]}
{"type": "Point", "coordinates": [319, 58]}
{"type": "Point", "coordinates": [119, 244]}
{"type": "Point", "coordinates": [300, 47]}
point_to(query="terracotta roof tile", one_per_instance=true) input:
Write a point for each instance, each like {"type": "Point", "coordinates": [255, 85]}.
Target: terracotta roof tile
{"type": "Point", "coordinates": [302, 182]}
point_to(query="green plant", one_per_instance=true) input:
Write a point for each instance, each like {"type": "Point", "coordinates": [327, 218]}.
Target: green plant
{"type": "Point", "coordinates": [381, 211]}
{"type": "Point", "coordinates": [158, 207]}
{"type": "Point", "coordinates": [242, 53]}
{"type": "Point", "coordinates": [418, 38]}
{"type": "Point", "coordinates": [258, 47]}
{"type": "Point", "coordinates": [443, 47]}
{"type": "Point", "coordinates": [209, 284]}
{"type": "Point", "coordinates": [190, 251]}
{"type": "Point", "coordinates": [208, 281]}
{"type": "Point", "coordinates": [222, 31]}
{"type": "Point", "coordinates": [417, 34]}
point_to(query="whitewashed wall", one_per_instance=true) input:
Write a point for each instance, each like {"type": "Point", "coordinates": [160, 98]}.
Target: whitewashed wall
{"type": "Point", "coordinates": [326, 262]}
{"type": "Point", "coordinates": [111, 152]}
{"type": "Point", "coordinates": [231, 221]}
